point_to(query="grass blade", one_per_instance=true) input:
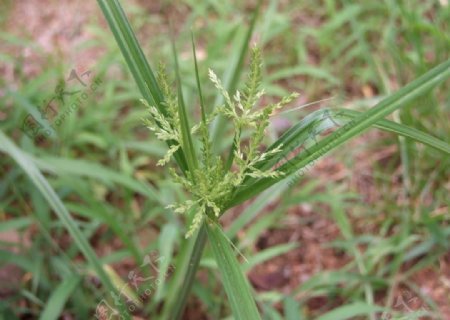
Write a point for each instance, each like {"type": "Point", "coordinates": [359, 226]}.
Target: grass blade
{"type": "Point", "coordinates": [132, 52]}
{"type": "Point", "coordinates": [324, 119]}
{"type": "Point", "coordinates": [350, 311]}
{"type": "Point", "coordinates": [166, 245]}
{"type": "Point", "coordinates": [361, 123]}
{"type": "Point", "coordinates": [59, 297]}
{"type": "Point", "coordinates": [197, 79]}
{"type": "Point", "coordinates": [291, 309]}
{"type": "Point", "coordinates": [402, 130]}
{"type": "Point", "coordinates": [235, 283]}
{"type": "Point", "coordinates": [186, 136]}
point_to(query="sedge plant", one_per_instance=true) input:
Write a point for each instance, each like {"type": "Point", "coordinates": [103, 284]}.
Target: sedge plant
{"type": "Point", "coordinates": [211, 180]}
{"type": "Point", "coordinates": [218, 182]}
{"type": "Point", "coordinates": [215, 181]}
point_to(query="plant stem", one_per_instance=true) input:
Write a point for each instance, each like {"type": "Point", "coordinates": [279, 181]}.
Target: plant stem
{"type": "Point", "coordinates": [175, 308]}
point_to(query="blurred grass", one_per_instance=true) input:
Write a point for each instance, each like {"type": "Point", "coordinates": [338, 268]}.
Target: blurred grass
{"type": "Point", "coordinates": [101, 161]}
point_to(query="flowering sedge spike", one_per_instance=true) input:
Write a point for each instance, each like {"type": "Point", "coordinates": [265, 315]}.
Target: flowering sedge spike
{"type": "Point", "coordinates": [211, 185]}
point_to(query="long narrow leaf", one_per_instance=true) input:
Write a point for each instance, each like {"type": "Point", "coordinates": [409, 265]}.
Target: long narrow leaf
{"type": "Point", "coordinates": [135, 59]}
{"type": "Point", "coordinates": [323, 119]}
{"type": "Point", "coordinates": [235, 283]}
{"type": "Point", "coordinates": [132, 52]}
{"type": "Point", "coordinates": [350, 311]}
{"type": "Point", "coordinates": [186, 136]}
{"type": "Point", "coordinates": [402, 130]}
{"type": "Point", "coordinates": [184, 276]}
{"type": "Point", "coordinates": [197, 79]}
{"type": "Point", "coordinates": [59, 297]}
{"type": "Point", "coordinates": [353, 128]}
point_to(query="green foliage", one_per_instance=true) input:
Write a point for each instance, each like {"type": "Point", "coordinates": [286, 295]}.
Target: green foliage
{"type": "Point", "coordinates": [101, 163]}
{"type": "Point", "coordinates": [235, 283]}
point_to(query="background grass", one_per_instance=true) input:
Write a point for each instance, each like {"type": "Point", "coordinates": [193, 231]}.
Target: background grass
{"type": "Point", "coordinates": [387, 197]}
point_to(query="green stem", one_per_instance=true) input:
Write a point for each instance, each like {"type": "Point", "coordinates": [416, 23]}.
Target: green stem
{"type": "Point", "coordinates": [174, 306]}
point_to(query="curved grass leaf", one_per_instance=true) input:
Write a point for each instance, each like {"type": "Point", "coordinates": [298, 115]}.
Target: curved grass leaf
{"type": "Point", "coordinates": [353, 128]}
{"type": "Point", "coordinates": [323, 119]}
{"type": "Point", "coordinates": [402, 130]}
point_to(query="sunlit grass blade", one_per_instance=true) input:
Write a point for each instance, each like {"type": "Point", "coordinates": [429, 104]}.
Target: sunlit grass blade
{"type": "Point", "coordinates": [235, 283]}
{"type": "Point", "coordinates": [353, 128]}
{"type": "Point", "coordinates": [122, 286]}
{"type": "Point", "coordinates": [135, 59]}
{"type": "Point", "coordinates": [350, 311]}
{"type": "Point", "coordinates": [7, 146]}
